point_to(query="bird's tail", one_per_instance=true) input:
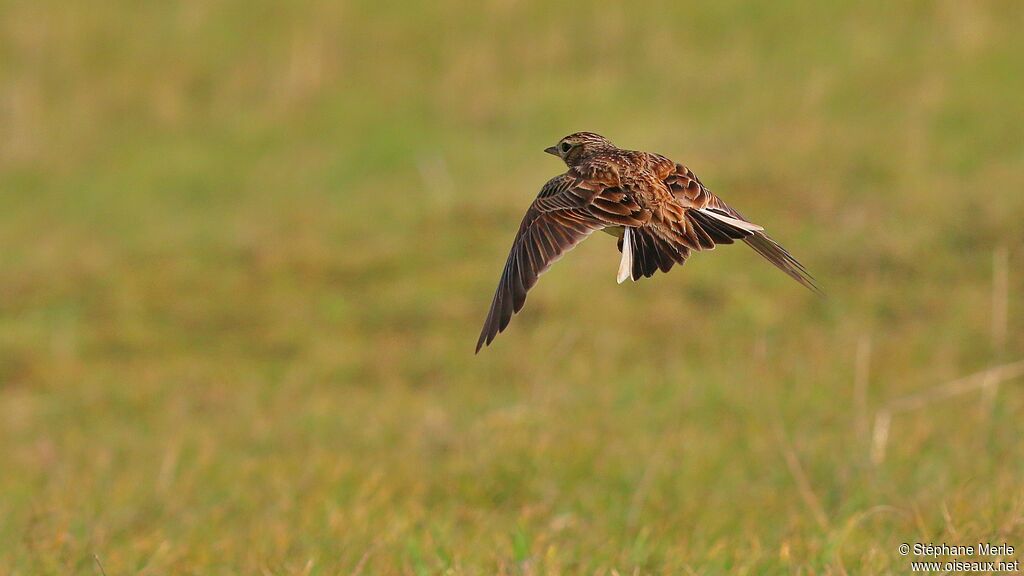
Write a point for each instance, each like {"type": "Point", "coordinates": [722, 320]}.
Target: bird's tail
{"type": "Point", "coordinates": [645, 250]}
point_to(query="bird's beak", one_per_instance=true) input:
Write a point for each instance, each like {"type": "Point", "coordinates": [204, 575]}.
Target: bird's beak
{"type": "Point", "coordinates": [552, 150]}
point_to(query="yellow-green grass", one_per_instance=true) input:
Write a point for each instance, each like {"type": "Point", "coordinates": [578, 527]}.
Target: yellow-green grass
{"type": "Point", "coordinates": [246, 249]}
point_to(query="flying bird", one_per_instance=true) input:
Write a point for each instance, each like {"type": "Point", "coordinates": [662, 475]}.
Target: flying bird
{"type": "Point", "coordinates": [659, 210]}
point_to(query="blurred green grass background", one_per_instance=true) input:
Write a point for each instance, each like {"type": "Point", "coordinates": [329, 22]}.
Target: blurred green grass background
{"type": "Point", "coordinates": [247, 248]}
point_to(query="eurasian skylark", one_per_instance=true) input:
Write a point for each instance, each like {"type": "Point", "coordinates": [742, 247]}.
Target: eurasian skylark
{"type": "Point", "coordinates": [659, 210]}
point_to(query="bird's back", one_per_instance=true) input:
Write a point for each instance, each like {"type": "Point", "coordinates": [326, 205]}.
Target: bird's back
{"type": "Point", "coordinates": [618, 167]}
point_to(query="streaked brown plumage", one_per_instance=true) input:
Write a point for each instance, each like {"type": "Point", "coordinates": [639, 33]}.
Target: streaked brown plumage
{"type": "Point", "coordinates": [660, 211]}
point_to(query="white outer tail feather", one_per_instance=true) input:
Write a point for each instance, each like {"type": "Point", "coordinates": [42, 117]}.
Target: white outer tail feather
{"type": "Point", "coordinates": [626, 263]}
{"type": "Point", "coordinates": [749, 227]}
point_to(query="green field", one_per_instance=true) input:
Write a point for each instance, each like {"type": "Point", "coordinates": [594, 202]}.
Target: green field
{"type": "Point", "coordinates": [246, 249]}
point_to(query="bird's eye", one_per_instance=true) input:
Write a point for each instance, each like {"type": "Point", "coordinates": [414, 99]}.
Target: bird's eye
{"type": "Point", "coordinates": [565, 147]}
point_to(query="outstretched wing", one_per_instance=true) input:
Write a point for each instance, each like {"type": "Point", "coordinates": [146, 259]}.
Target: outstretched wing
{"type": "Point", "coordinates": [710, 221]}
{"type": "Point", "coordinates": [567, 210]}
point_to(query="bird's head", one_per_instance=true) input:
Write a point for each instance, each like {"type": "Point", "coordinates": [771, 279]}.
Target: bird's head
{"type": "Point", "coordinates": [575, 148]}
